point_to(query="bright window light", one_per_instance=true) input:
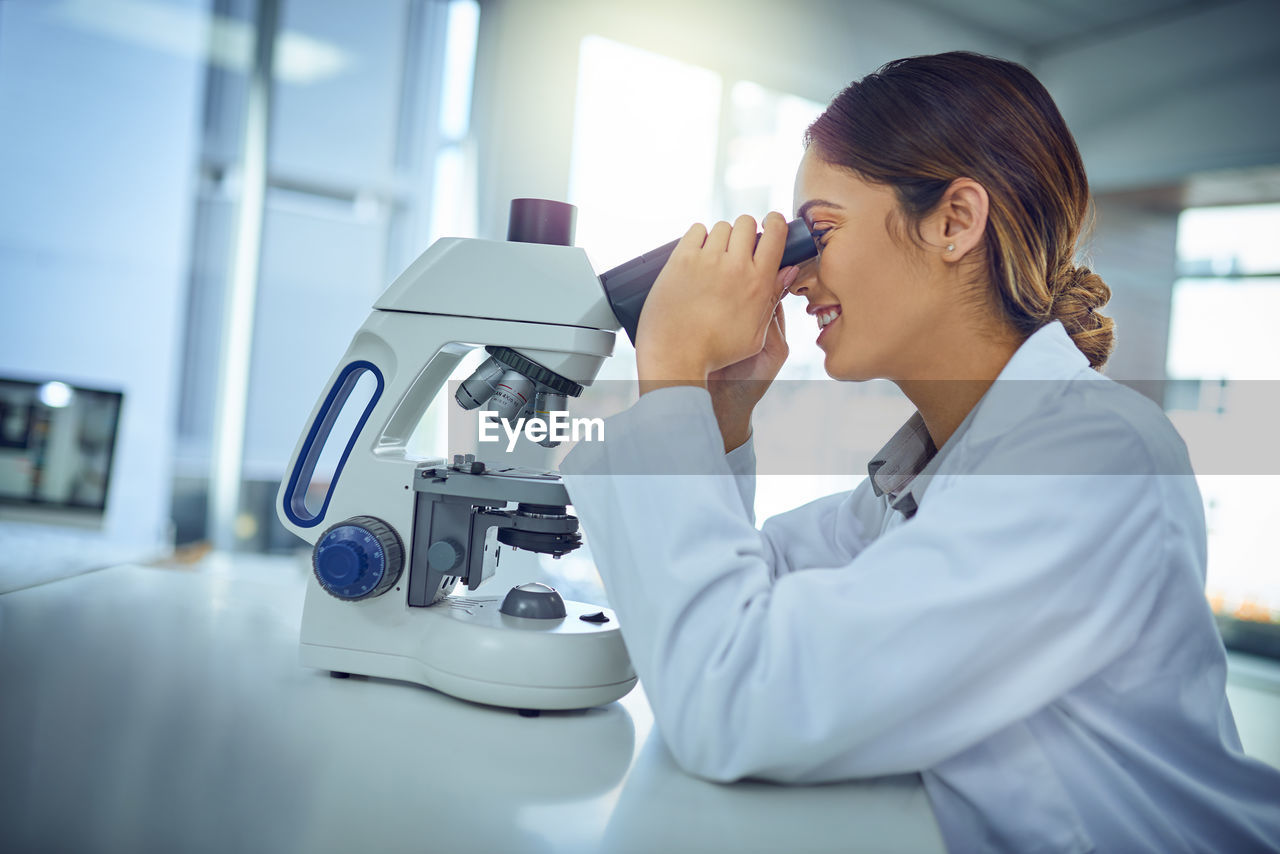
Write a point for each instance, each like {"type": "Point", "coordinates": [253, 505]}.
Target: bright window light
{"type": "Point", "coordinates": [766, 142]}
{"type": "Point", "coordinates": [644, 149]}
{"type": "Point", "coordinates": [1225, 329]}
{"type": "Point", "coordinates": [459, 65]}
{"type": "Point", "coordinates": [453, 210]}
{"type": "Point", "coordinates": [1240, 239]}
{"type": "Point", "coordinates": [453, 191]}
{"type": "Point", "coordinates": [1224, 359]}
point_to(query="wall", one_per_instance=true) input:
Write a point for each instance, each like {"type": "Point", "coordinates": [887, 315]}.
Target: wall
{"type": "Point", "coordinates": [97, 148]}
{"type": "Point", "coordinates": [1192, 92]}
{"type": "Point", "coordinates": [1134, 249]}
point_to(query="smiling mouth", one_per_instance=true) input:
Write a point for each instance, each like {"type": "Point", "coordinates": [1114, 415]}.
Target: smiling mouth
{"type": "Point", "coordinates": [825, 317]}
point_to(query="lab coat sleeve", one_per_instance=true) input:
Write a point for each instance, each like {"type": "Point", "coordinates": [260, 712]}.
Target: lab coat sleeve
{"type": "Point", "coordinates": [824, 532]}
{"type": "Point", "coordinates": [827, 532]}
{"type": "Point", "coordinates": [1000, 595]}
{"type": "Point", "coordinates": [742, 463]}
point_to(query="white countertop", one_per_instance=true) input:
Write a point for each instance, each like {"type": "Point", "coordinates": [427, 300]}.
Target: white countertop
{"type": "Point", "coordinates": [160, 709]}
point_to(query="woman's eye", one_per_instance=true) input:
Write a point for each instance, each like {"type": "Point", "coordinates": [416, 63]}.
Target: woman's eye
{"type": "Point", "coordinates": [820, 237]}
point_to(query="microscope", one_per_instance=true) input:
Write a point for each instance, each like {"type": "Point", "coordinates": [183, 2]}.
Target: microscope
{"type": "Point", "coordinates": [393, 535]}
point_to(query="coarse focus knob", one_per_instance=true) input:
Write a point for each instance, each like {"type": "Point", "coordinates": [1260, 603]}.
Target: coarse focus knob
{"type": "Point", "coordinates": [359, 558]}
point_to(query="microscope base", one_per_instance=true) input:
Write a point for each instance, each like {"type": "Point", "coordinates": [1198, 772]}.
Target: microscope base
{"type": "Point", "coordinates": [465, 648]}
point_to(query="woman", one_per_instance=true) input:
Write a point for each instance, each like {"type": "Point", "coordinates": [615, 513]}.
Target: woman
{"type": "Point", "coordinates": [1012, 603]}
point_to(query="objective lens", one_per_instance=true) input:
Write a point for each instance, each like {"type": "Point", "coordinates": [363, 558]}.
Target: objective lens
{"type": "Point", "coordinates": [513, 392]}
{"type": "Point", "coordinates": [544, 404]}
{"type": "Point", "coordinates": [479, 387]}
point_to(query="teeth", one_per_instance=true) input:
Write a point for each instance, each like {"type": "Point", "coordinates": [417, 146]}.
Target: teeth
{"type": "Point", "coordinates": [826, 317]}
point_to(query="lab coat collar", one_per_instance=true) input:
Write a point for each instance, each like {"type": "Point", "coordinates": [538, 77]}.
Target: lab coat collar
{"type": "Point", "coordinates": [903, 468]}
{"type": "Point", "coordinates": [1040, 368]}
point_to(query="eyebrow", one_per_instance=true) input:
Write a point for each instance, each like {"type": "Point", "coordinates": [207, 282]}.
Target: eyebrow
{"type": "Point", "coordinates": [816, 203]}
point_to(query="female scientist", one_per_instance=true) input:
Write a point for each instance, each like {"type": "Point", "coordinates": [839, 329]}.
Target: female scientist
{"type": "Point", "coordinates": [1012, 603]}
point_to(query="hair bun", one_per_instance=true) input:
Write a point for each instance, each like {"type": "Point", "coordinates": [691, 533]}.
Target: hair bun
{"type": "Point", "coordinates": [1077, 294]}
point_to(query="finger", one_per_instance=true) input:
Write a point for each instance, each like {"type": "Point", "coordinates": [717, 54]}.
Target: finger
{"type": "Point", "coordinates": [772, 243]}
{"type": "Point", "coordinates": [692, 240]}
{"type": "Point", "coordinates": [786, 278]}
{"type": "Point", "coordinates": [743, 239]}
{"type": "Point", "coordinates": [771, 325]}
{"type": "Point", "coordinates": [782, 332]}
{"type": "Point", "coordinates": [771, 319]}
{"type": "Point", "coordinates": [718, 237]}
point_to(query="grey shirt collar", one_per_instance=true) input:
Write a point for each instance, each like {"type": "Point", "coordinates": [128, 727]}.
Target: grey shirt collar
{"type": "Point", "coordinates": [903, 468]}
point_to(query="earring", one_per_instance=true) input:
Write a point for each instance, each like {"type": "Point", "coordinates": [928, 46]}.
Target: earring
{"type": "Point", "coordinates": [951, 247]}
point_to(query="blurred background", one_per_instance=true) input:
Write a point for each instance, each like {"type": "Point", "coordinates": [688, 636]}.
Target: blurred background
{"type": "Point", "coordinates": [200, 200]}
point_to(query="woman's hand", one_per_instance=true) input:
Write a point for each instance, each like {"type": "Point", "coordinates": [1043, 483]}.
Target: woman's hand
{"type": "Point", "coordinates": [737, 388]}
{"type": "Point", "coordinates": [712, 307]}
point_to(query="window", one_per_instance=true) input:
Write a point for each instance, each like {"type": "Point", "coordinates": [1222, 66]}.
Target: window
{"type": "Point", "coordinates": [368, 162]}
{"type": "Point", "coordinates": [1224, 370]}
{"type": "Point", "coordinates": [453, 196]}
{"type": "Point", "coordinates": [644, 149]}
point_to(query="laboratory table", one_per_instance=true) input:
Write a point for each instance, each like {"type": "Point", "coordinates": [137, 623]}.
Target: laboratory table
{"type": "Point", "coordinates": [149, 708]}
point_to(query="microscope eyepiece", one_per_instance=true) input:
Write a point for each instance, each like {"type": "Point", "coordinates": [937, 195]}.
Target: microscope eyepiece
{"type": "Point", "coordinates": [627, 285]}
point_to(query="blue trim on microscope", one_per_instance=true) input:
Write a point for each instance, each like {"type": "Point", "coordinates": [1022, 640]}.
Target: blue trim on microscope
{"type": "Point", "coordinates": [295, 508]}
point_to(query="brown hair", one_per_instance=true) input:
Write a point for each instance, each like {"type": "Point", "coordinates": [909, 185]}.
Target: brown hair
{"type": "Point", "coordinates": [919, 123]}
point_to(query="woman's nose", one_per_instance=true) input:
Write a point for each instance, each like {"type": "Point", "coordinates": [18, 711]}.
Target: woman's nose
{"type": "Point", "coordinates": [805, 278]}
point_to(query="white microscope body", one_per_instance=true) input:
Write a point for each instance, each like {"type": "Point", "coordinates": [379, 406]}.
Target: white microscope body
{"type": "Point", "coordinates": [394, 534]}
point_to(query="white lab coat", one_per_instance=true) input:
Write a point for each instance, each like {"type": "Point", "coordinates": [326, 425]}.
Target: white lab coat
{"type": "Point", "coordinates": [1034, 641]}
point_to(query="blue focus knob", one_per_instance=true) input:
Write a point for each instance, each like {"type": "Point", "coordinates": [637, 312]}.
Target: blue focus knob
{"type": "Point", "coordinates": [359, 558]}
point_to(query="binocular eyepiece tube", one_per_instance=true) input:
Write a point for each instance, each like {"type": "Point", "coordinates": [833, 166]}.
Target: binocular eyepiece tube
{"type": "Point", "coordinates": [627, 285]}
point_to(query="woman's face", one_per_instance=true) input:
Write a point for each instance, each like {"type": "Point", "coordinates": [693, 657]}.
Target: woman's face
{"type": "Point", "coordinates": [887, 292]}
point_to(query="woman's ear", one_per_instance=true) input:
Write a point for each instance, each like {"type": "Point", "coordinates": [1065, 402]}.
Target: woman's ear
{"type": "Point", "coordinates": [960, 220]}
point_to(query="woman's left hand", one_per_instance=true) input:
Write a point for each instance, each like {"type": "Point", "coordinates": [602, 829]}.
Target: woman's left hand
{"type": "Point", "coordinates": [737, 388]}
{"type": "Point", "coordinates": [713, 303]}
